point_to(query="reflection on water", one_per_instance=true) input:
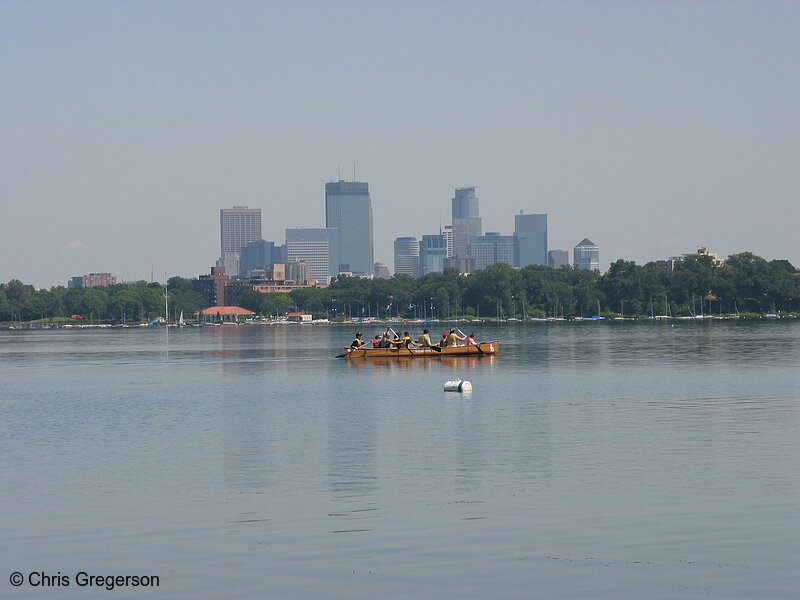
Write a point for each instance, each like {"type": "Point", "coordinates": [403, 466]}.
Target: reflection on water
{"type": "Point", "coordinates": [610, 460]}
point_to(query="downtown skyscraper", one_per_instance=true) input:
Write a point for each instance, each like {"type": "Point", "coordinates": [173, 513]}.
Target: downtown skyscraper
{"type": "Point", "coordinates": [348, 209]}
{"type": "Point", "coordinates": [531, 234]}
{"type": "Point", "coordinates": [467, 223]}
{"type": "Point", "coordinates": [238, 226]}
{"type": "Point", "coordinates": [406, 256]}
{"type": "Point", "coordinates": [317, 247]}
{"type": "Point", "coordinates": [586, 255]}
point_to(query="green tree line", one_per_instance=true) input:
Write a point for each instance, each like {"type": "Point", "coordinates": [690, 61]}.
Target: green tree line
{"type": "Point", "coordinates": [746, 283]}
{"type": "Point", "coordinates": [128, 302]}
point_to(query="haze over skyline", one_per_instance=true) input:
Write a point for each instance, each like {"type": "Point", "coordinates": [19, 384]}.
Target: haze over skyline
{"type": "Point", "coordinates": [649, 128]}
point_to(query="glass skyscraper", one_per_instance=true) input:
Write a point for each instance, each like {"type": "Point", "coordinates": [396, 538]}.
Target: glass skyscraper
{"type": "Point", "coordinates": [531, 234]}
{"type": "Point", "coordinates": [586, 255]}
{"type": "Point", "coordinates": [348, 209]}
{"type": "Point", "coordinates": [432, 254]}
{"type": "Point", "coordinates": [466, 222]}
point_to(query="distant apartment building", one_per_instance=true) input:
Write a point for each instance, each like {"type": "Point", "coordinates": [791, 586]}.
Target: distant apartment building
{"type": "Point", "coordinates": [531, 234]}
{"type": "Point", "coordinates": [466, 222]}
{"type": "Point", "coordinates": [212, 287]}
{"type": "Point", "coordinates": [493, 248]}
{"type": "Point", "coordinates": [382, 271]}
{"type": "Point", "coordinates": [406, 256]}
{"type": "Point", "coordinates": [586, 255]}
{"type": "Point", "coordinates": [348, 210]}
{"type": "Point", "coordinates": [220, 290]}
{"type": "Point", "coordinates": [432, 254]}
{"type": "Point", "coordinates": [316, 246]}
{"type": "Point", "coordinates": [298, 271]}
{"type": "Point", "coordinates": [703, 252]}
{"type": "Point", "coordinates": [238, 226]}
{"type": "Point", "coordinates": [92, 280]}
{"type": "Point", "coordinates": [557, 259]}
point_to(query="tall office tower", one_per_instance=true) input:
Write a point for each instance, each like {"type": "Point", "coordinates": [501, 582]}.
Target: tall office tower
{"type": "Point", "coordinates": [493, 248]}
{"type": "Point", "coordinates": [348, 209]}
{"type": "Point", "coordinates": [557, 259]}
{"type": "Point", "coordinates": [238, 226]}
{"type": "Point", "coordinates": [586, 255]}
{"type": "Point", "coordinates": [432, 254]}
{"type": "Point", "coordinates": [466, 222]}
{"type": "Point", "coordinates": [406, 256]}
{"type": "Point", "coordinates": [316, 246]}
{"type": "Point", "coordinates": [531, 234]}
{"type": "Point", "coordinates": [447, 234]}
{"type": "Point", "coordinates": [256, 255]}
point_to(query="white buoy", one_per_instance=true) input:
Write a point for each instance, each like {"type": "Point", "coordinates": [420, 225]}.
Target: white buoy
{"type": "Point", "coordinates": [457, 386]}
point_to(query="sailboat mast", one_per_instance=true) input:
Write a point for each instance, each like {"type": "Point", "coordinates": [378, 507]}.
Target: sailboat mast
{"type": "Point", "coordinates": [166, 300]}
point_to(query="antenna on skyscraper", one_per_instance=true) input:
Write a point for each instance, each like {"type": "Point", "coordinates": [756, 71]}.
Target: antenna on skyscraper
{"type": "Point", "coordinates": [339, 169]}
{"type": "Point", "coordinates": [354, 171]}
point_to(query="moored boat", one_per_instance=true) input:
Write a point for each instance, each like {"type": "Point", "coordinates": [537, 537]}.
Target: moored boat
{"type": "Point", "coordinates": [481, 349]}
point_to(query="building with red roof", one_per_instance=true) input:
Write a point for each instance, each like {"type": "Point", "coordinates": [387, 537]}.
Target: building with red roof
{"type": "Point", "coordinates": [226, 314]}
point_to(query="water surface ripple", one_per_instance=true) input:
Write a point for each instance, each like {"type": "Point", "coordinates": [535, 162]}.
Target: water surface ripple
{"type": "Point", "coordinates": [592, 460]}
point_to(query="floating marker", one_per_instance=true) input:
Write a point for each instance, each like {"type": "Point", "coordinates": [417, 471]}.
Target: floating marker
{"type": "Point", "coordinates": [457, 386]}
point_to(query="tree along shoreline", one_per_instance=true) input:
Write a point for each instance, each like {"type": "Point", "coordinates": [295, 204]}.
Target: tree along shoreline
{"type": "Point", "coordinates": [747, 285]}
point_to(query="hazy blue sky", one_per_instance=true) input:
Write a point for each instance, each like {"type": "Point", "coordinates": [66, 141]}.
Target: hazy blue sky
{"type": "Point", "coordinates": [649, 127]}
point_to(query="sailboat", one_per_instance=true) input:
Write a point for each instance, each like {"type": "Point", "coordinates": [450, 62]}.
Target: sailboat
{"type": "Point", "coordinates": [181, 321]}
{"type": "Point", "coordinates": [773, 314]}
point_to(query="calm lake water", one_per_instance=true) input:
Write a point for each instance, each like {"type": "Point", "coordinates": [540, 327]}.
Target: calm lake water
{"type": "Point", "coordinates": [592, 460]}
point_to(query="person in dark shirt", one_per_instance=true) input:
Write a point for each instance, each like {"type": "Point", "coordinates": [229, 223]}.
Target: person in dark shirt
{"type": "Point", "coordinates": [357, 342]}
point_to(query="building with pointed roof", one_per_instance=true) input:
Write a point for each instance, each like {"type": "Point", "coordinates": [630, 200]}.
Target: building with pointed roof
{"type": "Point", "coordinates": [586, 255]}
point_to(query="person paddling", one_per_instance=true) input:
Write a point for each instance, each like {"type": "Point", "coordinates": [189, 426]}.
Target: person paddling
{"type": "Point", "coordinates": [454, 338]}
{"type": "Point", "coordinates": [424, 340]}
{"type": "Point", "coordinates": [403, 342]}
{"type": "Point", "coordinates": [357, 342]}
{"type": "Point", "coordinates": [386, 340]}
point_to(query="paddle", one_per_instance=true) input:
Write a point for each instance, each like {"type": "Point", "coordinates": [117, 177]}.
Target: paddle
{"type": "Point", "coordinates": [411, 354]}
{"type": "Point", "coordinates": [476, 344]}
{"type": "Point", "coordinates": [430, 345]}
{"type": "Point", "coordinates": [363, 343]}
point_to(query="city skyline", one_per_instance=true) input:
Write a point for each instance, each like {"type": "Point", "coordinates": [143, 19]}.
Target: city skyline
{"type": "Point", "coordinates": [652, 129]}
